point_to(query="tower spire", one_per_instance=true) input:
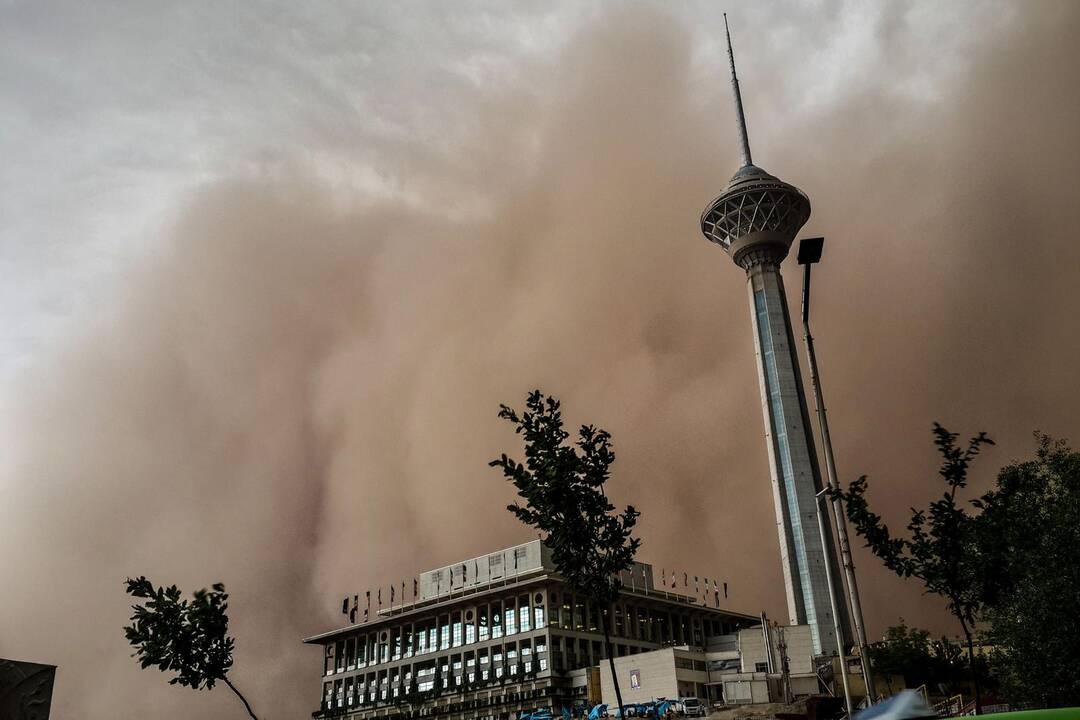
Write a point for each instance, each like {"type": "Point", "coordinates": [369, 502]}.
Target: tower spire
{"type": "Point", "coordinates": [746, 159]}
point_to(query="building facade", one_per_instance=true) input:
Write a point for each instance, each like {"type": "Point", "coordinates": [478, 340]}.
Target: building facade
{"type": "Point", "coordinates": [733, 669]}
{"type": "Point", "coordinates": [498, 634]}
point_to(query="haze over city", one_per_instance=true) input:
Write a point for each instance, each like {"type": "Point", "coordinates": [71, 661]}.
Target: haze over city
{"type": "Point", "coordinates": [270, 270]}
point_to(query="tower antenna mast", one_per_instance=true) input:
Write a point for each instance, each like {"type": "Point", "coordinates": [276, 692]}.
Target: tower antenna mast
{"type": "Point", "coordinates": [743, 137]}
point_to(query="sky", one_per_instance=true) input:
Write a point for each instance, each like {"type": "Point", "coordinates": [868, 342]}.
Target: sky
{"type": "Point", "coordinates": [270, 269]}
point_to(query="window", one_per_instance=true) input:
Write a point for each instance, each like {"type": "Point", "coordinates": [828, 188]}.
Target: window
{"type": "Point", "coordinates": [509, 623]}
{"type": "Point", "coordinates": [350, 658]}
{"type": "Point", "coordinates": [444, 632]}
{"type": "Point", "coordinates": [538, 610]}
{"type": "Point", "coordinates": [619, 621]}
{"type": "Point", "coordinates": [470, 627]}
{"type": "Point", "coordinates": [395, 636]}
{"type": "Point", "coordinates": [524, 619]}
{"type": "Point", "coordinates": [421, 639]}
{"type": "Point", "coordinates": [482, 622]}
{"type": "Point", "coordinates": [761, 667]}
{"type": "Point", "coordinates": [565, 618]}
{"type": "Point", "coordinates": [457, 630]}
{"type": "Point", "coordinates": [328, 694]}
{"type": "Point", "coordinates": [425, 678]}
{"type": "Point", "coordinates": [511, 660]}
{"type": "Point", "coordinates": [553, 616]}
{"type": "Point", "coordinates": [496, 619]}
{"type": "Point", "coordinates": [594, 618]}
{"type": "Point", "coordinates": [579, 613]}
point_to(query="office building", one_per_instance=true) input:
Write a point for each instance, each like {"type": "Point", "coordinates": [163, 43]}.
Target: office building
{"type": "Point", "coordinates": [498, 634]}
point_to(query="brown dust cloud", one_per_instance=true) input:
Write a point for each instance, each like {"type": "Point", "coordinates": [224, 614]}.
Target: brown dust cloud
{"type": "Point", "coordinates": [295, 391]}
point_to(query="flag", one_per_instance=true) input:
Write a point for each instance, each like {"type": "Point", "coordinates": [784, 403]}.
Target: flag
{"type": "Point", "coordinates": [367, 594]}
{"type": "Point", "coordinates": [464, 573]}
{"type": "Point", "coordinates": [663, 578]}
{"type": "Point", "coordinates": [697, 586]}
{"type": "Point", "coordinates": [380, 597]}
{"type": "Point", "coordinates": [725, 590]}
{"type": "Point", "coordinates": [415, 588]}
{"type": "Point", "coordinates": [672, 579]}
{"type": "Point", "coordinates": [476, 570]}
{"type": "Point", "coordinates": [391, 594]}
{"type": "Point", "coordinates": [685, 580]}
{"type": "Point", "coordinates": [345, 606]}
{"type": "Point", "coordinates": [365, 614]}
{"type": "Point", "coordinates": [402, 591]}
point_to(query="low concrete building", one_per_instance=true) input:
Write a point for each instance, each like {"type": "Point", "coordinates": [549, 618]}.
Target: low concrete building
{"type": "Point", "coordinates": [498, 634]}
{"type": "Point", "coordinates": [733, 668]}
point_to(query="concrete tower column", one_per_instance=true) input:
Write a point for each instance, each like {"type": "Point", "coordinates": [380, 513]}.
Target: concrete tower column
{"type": "Point", "coordinates": [792, 459]}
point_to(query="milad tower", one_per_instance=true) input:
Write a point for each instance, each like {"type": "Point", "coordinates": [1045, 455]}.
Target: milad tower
{"type": "Point", "coordinates": [755, 220]}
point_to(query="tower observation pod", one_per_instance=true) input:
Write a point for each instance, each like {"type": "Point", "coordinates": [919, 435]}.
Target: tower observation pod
{"type": "Point", "coordinates": [755, 220]}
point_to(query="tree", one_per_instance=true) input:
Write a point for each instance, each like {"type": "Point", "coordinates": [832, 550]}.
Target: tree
{"type": "Point", "coordinates": [909, 653]}
{"type": "Point", "coordinates": [562, 487]}
{"type": "Point", "coordinates": [1029, 538]}
{"type": "Point", "coordinates": [939, 549]}
{"type": "Point", "coordinates": [903, 653]}
{"type": "Point", "coordinates": [189, 638]}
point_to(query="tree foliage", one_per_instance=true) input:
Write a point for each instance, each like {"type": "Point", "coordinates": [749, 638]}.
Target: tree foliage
{"type": "Point", "coordinates": [910, 654]}
{"type": "Point", "coordinates": [561, 487]}
{"type": "Point", "coordinates": [1029, 537]}
{"type": "Point", "coordinates": [187, 638]}
{"type": "Point", "coordinates": [939, 548]}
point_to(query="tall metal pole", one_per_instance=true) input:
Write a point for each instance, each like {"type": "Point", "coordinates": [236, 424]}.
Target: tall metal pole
{"type": "Point", "coordinates": [834, 486]}
{"type": "Point", "coordinates": [832, 601]}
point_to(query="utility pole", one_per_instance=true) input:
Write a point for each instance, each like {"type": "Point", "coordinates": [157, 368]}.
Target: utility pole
{"type": "Point", "coordinates": [810, 254]}
{"type": "Point", "coordinates": [836, 615]}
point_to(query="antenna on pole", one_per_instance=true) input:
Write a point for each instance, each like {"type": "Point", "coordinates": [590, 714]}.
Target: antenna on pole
{"type": "Point", "coordinates": [746, 159]}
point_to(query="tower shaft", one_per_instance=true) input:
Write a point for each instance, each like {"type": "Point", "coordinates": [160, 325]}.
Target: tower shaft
{"type": "Point", "coordinates": [793, 465]}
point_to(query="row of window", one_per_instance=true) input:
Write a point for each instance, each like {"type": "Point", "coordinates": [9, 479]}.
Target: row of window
{"type": "Point", "coordinates": [452, 672]}
{"type": "Point", "coordinates": [520, 614]}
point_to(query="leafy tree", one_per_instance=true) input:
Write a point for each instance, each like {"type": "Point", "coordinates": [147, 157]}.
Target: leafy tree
{"type": "Point", "coordinates": [909, 653]}
{"type": "Point", "coordinates": [903, 653]}
{"type": "Point", "coordinates": [939, 549]}
{"type": "Point", "coordinates": [1029, 537]}
{"type": "Point", "coordinates": [562, 487]}
{"type": "Point", "coordinates": [188, 638]}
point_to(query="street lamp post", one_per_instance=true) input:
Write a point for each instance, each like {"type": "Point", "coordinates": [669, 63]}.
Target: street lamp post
{"type": "Point", "coordinates": [810, 254]}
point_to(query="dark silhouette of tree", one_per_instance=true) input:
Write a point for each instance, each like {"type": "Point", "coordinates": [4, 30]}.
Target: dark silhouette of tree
{"type": "Point", "coordinates": [562, 487]}
{"type": "Point", "coordinates": [1029, 538]}
{"type": "Point", "coordinates": [909, 653]}
{"type": "Point", "coordinates": [939, 549]}
{"type": "Point", "coordinates": [189, 638]}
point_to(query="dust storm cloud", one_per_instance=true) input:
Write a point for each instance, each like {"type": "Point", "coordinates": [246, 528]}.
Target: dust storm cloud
{"type": "Point", "coordinates": [294, 390]}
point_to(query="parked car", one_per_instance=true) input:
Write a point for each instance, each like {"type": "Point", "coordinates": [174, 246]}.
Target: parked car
{"type": "Point", "coordinates": [692, 707]}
